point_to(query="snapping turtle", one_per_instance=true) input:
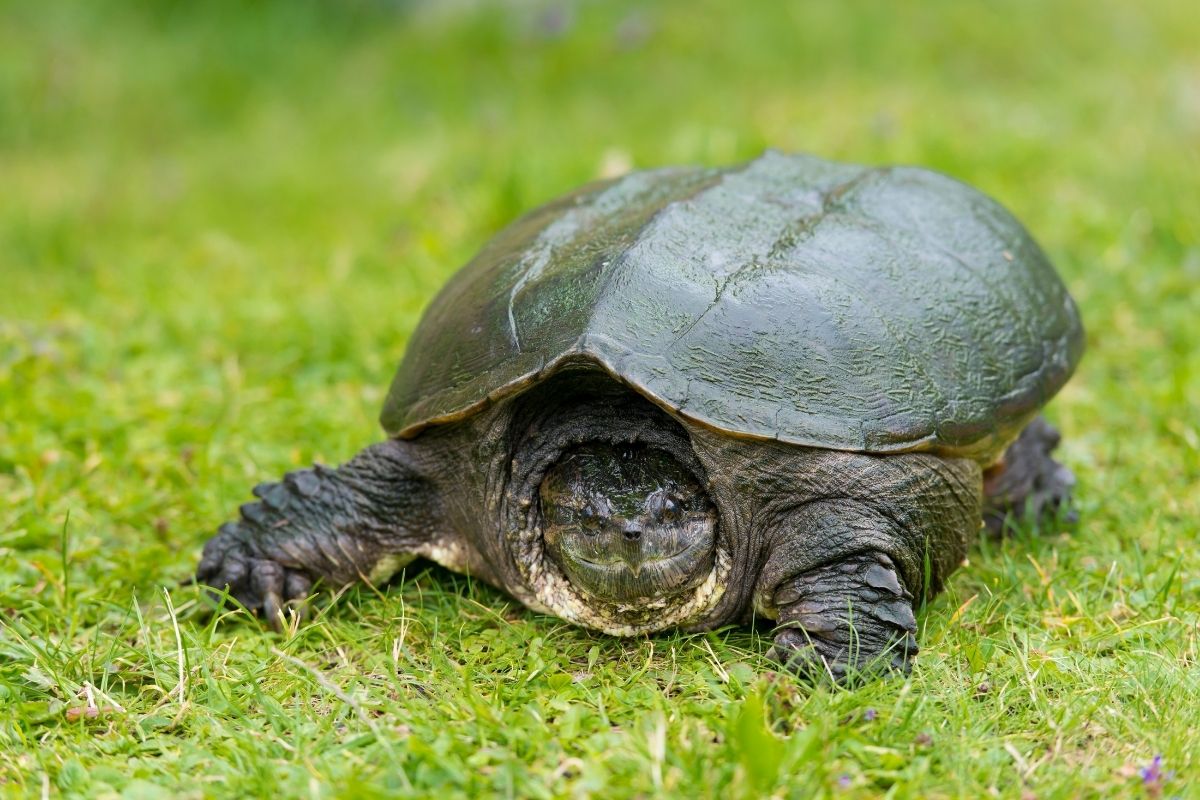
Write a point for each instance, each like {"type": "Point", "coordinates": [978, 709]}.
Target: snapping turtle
{"type": "Point", "coordinates": [789, 389]}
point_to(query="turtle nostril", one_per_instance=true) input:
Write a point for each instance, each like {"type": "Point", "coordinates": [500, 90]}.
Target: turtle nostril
{"type": "Point", "coordinates": [631, 532]}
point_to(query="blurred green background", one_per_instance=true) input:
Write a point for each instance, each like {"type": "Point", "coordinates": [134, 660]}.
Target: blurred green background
{"type": "Point", "coordinates": [220, 221]}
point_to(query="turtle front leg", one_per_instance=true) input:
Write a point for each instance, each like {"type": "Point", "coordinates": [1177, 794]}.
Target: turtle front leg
{"type": "Point", "coordinates": [841, 574]}
{"type": "Point", "coordinates": [361, 521]}
{"type": "Point", "coordinates": [837, 582]}
{"type": "Point", "coordinates": [1027, 483]}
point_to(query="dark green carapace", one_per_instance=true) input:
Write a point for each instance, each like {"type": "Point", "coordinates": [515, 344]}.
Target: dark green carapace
{"type": "Point", "coordinates": [789, 389]}
{"type": "Point", "coordinates": [828, 305]}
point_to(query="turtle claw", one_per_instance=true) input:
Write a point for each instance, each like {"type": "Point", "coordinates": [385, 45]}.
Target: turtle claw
{"type": "Point", "coordinates": [272, 611]}
{"type": "Point", "coordinates": [263, 586]}
{"type": "Point", "coordinates": [816, 660]}
{"type": "Point", "coordinates": [846, 620]}
{"type": "Point", "coordinates": [796, 652]}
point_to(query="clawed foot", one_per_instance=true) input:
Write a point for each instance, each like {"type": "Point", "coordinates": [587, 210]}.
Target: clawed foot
{"type": "Point", "coordinates": [262, 585]}
{"type": "Point", "coordinates": [816, 659]}
{"type": "Point", "coordinates": [845, 619]}
{"type": "Point", "coordinates": [1028, 483]}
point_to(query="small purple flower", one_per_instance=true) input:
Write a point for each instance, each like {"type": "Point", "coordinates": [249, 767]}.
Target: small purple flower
{"type": "Point", "coordinates": [844, 781]}
{"type": "Point", "coordinates": [1153, 777]}
{"type": "Point", "coordinates": [869, 715]}
{"type": "Point", "coordinates": [1152, 773]}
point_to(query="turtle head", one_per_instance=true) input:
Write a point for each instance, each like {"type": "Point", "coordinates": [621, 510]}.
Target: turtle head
{"type": "Point", "coordinates": [627, 522]}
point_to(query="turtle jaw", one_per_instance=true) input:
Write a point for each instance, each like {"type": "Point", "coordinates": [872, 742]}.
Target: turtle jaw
{"type": "Point", "coordinates": [618, 569]}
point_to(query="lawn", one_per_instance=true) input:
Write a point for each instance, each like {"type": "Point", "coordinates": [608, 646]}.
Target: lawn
{"type": "Point", "coordinates": [219, 223]}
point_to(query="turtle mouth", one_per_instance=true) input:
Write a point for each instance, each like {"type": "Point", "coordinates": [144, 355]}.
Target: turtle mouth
{"type": "Point", "coordinates": [627, 578]}
{"type": "Point", "coordinates": [637, 567]}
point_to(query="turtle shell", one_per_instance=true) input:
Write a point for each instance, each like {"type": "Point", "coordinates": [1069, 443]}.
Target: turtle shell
{"type": "Point", "coordinates": [830, 305]}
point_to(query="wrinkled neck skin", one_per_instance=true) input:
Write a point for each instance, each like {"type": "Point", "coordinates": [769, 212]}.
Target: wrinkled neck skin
{"type": "Point", "coordinates": [521, 473]}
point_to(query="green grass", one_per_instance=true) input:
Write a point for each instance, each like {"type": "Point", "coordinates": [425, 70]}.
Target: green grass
{"type": "Point", "coordinates": [218, 225]}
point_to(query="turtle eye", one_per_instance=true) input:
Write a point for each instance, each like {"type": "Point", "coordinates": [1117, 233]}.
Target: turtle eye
{"type": "Point", "coordinates": [669, 510]}
{"type": "Point", "coordinates": [589, 519]}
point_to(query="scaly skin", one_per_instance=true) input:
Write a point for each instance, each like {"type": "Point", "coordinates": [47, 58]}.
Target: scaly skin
{"type": "Point", "coordinates": [321, 524]}
{"type": "Point", "coordinates": [847, 617]}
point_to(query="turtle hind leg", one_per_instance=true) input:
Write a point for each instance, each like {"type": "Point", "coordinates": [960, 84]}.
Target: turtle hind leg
{"type": "Point", "coordinates": [1028, 484]}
